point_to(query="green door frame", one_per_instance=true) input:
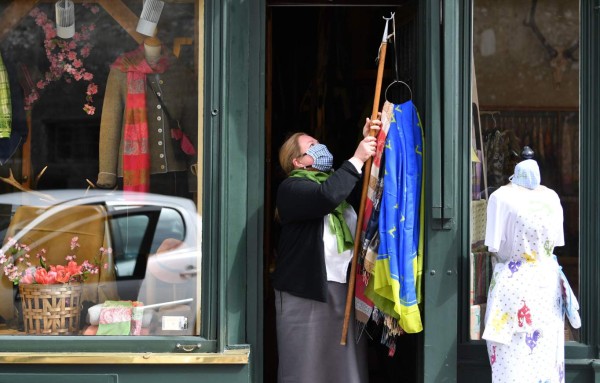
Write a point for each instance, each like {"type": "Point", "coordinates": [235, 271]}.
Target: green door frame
{"type": "Point", "coordinates": [443, 86]}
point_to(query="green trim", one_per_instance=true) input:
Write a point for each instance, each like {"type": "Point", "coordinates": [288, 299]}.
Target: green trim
{"type": "Point", "coordinates": [213, 305]}
{"type": "Point", "coordinates": [256, 185]}
{"type": "Point", "coordinates": [440, 274]}
{"type": "Point", "coordinates": [237, 133]}
{"type": "Point", "coordinates": [589, 189]}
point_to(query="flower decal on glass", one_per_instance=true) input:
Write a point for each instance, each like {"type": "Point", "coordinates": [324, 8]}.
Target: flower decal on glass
{"type": "Point", "coordinates": [66, 58]}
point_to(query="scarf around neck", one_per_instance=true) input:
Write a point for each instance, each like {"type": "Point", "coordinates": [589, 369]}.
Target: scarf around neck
{"type": "Point", "coordinates": [337, 223]}
{"type": "Point", "coordinates": [136, 153]}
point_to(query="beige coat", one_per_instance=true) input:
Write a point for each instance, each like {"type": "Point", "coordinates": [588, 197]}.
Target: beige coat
{"type": "Point", "coordinates": [177, 89]}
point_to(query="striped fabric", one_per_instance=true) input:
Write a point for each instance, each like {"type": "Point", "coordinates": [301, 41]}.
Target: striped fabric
{"type": "Point", "coordinates": [136, 153]}
{"type": "Point", "coordinates": [5, 102]}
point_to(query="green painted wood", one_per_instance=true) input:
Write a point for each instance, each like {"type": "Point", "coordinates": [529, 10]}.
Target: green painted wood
{"type": "Point", "coordinates": [589, 165]}
{"type": "Point", "coordinates": [59, 378]}
{"type": "Point", "coordinates": [241, 174]}
{"type": "Point", "coordinates": [125, 374]}
{"type": "Point", "coordinates": [234, 172]}
{"type": "Point", "coordinates": [212, 294]}
{"type": "Point", "coordinates": [256, 186]}
{"type": "Point", "coordinates": [440, 263]}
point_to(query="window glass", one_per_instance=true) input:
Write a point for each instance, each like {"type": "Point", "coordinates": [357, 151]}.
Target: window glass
{"type": "Point", "coordinates": [99, 147]}
{"type": "Point", "coordinates": [525, 93]}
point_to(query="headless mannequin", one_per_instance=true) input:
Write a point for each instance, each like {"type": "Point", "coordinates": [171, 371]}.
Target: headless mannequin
{"type": "Point", "coordinates": [169, 171]}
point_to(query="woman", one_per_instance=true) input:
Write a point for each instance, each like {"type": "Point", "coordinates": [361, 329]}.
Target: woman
{"type": "Point", "coordinates": [314, 252]}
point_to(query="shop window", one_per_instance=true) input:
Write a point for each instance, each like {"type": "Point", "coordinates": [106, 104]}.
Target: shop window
{"type": "Point", "coordinates": [525, 93]}
{"type": "Point", "coordinates": [99, 215]}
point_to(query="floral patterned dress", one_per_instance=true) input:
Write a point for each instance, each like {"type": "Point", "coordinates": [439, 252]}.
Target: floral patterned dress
{"type": "Point", "coordinates": [524, 321]}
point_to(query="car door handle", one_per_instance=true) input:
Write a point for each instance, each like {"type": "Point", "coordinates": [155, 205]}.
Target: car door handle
{"type": "Point", "coordinates": [189, 273]}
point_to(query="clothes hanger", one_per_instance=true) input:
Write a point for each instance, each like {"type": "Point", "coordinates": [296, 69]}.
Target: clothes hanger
{"type": "Point", "coordinates": [396, 93]}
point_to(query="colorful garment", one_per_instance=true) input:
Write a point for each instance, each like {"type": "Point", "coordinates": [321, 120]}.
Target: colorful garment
{"type": "Point", "coordinates": [5, 102]}
{"type": "Point", "coordinates": [120, 318]}
{"type": "Point", "coordinates": [396, 275]}
{"type": "Point", "coordinates": [524, 321]}
{"type": "Point", "coordinates": [136, 153]}
{"type": "Point", "coordinates": [369, 231]}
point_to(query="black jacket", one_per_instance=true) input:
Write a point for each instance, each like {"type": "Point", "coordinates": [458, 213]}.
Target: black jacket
{"type": "Point", "coordinates": [302, 205]}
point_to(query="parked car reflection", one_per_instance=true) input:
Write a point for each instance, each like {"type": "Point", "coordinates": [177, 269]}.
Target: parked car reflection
{"type": "Point", "coordinates": [155, 246]}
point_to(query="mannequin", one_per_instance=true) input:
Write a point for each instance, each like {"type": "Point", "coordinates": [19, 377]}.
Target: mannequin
{"type": "Point", "coordinates": [152, 49]}
{"type": "Point", "coordinates": [133, 118]}
{"type": "Point", "coordinates": [528, 296]}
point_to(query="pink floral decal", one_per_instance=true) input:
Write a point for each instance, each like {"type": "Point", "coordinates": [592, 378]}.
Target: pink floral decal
{"type": "Point", "coordinates": [115, 315]}
{"type": "Point", "coordinates": [66, 58]}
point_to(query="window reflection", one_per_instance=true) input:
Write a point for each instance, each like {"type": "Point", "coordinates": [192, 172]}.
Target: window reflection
{"type": "Point", "coordinates": [67, 108]}
{"type": "Point", "coordinates": [143, 248]}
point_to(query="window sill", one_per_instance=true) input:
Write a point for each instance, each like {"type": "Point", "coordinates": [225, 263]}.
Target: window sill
{"type": "Point", "coordinates": [237, 356]}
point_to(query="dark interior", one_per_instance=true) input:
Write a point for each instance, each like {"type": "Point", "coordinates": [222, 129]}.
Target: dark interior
{"type": "Point", "coordinates": [321, 79]}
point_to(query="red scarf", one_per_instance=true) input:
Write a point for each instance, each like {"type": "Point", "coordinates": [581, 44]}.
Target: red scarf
{"type": "Point", "coordinates": [136, 152]}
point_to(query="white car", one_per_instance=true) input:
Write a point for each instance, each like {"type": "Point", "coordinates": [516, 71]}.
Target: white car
{"type": "Point", "coordinates": [154, 241]}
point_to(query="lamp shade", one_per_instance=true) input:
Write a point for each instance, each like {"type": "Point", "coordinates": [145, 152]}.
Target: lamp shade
{"type": "Point", "coordinates": [65, 19]}
{"type": "Point", "coordinates": [149, 17]}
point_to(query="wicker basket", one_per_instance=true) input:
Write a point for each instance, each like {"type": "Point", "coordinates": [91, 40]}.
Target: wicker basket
{"type": "Point", "coordinates": [51, 309]}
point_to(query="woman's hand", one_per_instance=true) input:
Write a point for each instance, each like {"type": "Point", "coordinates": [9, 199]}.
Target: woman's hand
{"type": "Point", "coordinates": [372, 124]}
{"type": "Point", "coordinates": [366, 148]}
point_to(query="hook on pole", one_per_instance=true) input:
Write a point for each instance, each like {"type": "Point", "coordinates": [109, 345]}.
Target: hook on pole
{"type": "Point", "coordinates": [385, 31]}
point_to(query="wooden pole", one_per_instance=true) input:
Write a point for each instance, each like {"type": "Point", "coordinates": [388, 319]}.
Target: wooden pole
{"type": "Point", "coordinates": [365, 187]}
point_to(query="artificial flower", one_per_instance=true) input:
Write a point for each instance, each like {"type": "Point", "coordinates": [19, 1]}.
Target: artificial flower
{"type": "Point", "coordinates": [17, 255]}
{"type": "Point", "coordinates": [65, 57]}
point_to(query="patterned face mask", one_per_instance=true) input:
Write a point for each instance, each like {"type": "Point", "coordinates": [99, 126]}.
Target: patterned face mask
{"type": "Point", "coordinates": [323, 159]}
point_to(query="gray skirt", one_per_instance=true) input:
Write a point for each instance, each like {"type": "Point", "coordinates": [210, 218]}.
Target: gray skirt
{"type": "Point", "coordinates": [308, 340]}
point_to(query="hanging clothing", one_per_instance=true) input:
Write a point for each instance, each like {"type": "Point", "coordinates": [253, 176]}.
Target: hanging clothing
{"type": "Point", "coordinates": [176, 88]}
{"type": "Point", "coordinates": [369, 231]}
{"type": "Point", "coordinates": [136, 154]}
{"type": "Point", "coordinates": [527, 299]}
{"type": "Point", "coordinates": [19, 128]}
{"type": "Point", "coordinates": [396, 271]}
{"type": "Point", "coordinates": [5, 102]}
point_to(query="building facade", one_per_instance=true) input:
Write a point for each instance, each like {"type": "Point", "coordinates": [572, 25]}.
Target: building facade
{"type": "Point", "coordinates": [248, 73]}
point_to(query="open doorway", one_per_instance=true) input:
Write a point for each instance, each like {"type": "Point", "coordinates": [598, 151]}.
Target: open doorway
{"type": "Point", "coordinates": [321, 74]}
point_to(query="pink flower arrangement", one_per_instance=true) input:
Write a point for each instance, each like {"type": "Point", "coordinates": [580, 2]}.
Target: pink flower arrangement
{"type": "Point", "coordinates": [17, 266]}
{"type": "Point", "coordinates": [66, 58]}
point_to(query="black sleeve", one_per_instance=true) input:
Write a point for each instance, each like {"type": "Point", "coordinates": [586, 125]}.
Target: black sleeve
{"type": "Point", "coordinates": [300, 199]}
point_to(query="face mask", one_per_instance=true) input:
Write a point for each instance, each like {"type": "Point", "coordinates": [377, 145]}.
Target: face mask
{"type": "Point", "coordinates": [323, 159]}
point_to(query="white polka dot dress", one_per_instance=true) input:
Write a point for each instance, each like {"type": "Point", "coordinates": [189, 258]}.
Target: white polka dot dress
{"type": "Point", "coordinates": [524, 321]}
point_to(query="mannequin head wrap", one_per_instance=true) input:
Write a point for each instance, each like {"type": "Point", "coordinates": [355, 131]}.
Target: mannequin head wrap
{"type": "Point", "coordinates": [527, 174]}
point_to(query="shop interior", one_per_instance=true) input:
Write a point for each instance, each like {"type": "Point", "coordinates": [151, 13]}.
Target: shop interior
{"type": "Point", "coordinates": [525, 93]}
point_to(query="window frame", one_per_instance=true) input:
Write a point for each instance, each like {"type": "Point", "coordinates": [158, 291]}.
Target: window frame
{"type": "Point", "coordinates": [579, 355]}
